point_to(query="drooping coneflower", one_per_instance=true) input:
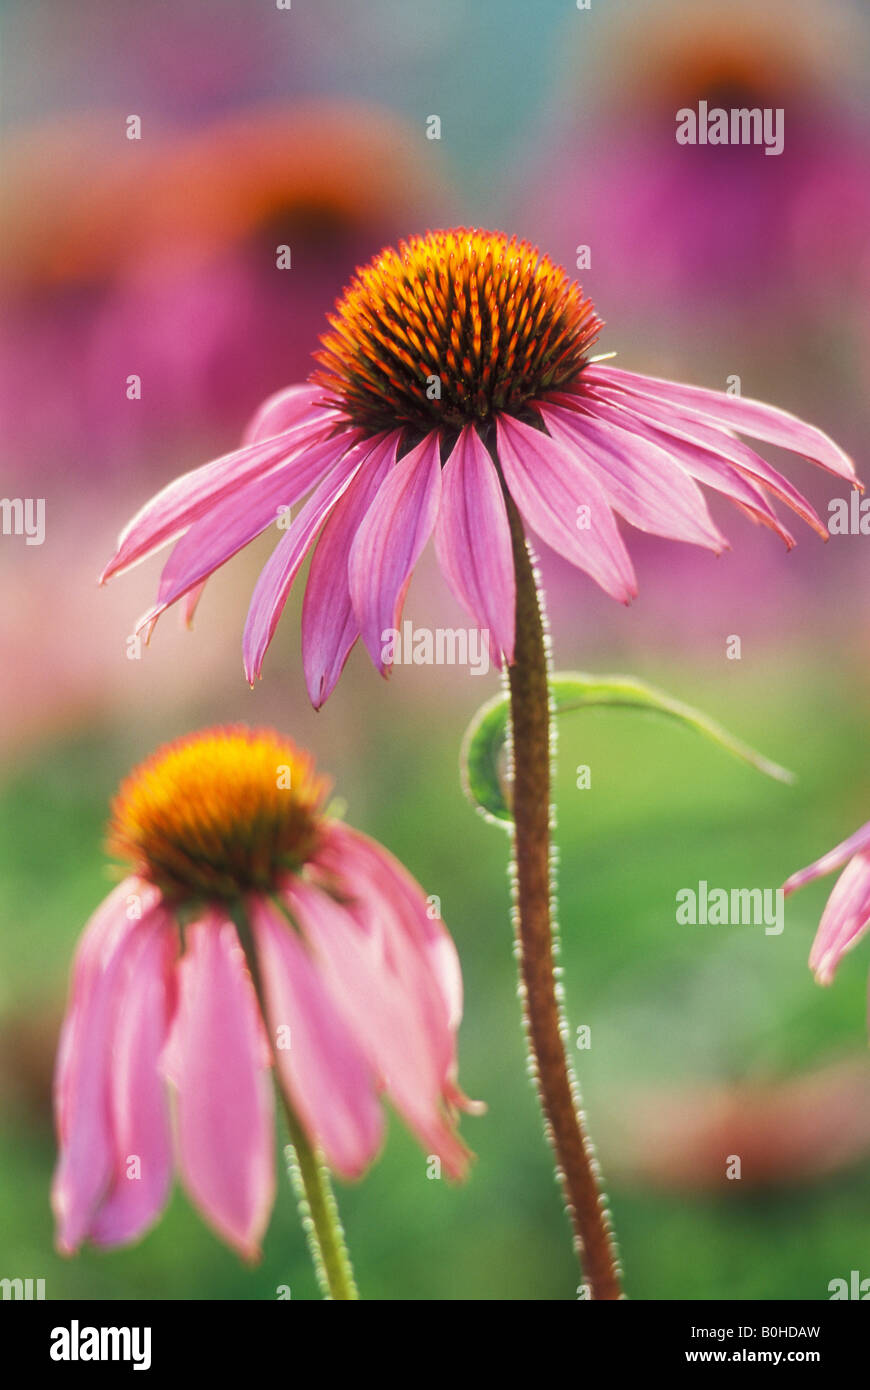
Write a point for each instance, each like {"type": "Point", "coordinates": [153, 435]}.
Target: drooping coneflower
{"type": "Point", "coordinates": [455, 380]}
{"type": "Point", "coordinates": [345, 984]}
{"type": "Point", "coordinates": [846, 918]}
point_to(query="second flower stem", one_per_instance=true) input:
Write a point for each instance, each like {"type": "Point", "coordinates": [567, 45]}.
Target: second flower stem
{"type": "Point", "coordinates": [530, 725]}
{"type": "Point", "coordinates": [319, 1212]}
{"type": "Point", "coordinates": [318, 1209]}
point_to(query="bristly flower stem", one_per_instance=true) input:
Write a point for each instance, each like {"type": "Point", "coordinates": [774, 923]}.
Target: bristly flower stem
{"type": "Point", "coordinates": [536, 936]}
{"type": "Point", "coordinates": [318, 1209]}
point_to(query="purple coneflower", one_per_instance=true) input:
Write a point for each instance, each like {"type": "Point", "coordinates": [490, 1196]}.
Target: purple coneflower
{"type": "Point", "coordinates": [455, 380]}
{"type": "Point", "coordinates": [846, 917]}
{"type": "Point", "coordinates": [345, 983]}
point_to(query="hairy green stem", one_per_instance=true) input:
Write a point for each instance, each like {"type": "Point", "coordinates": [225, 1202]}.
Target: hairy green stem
{"type": "Point", "coordinates": [533, 888]}
{"type": "Point", "coordinates": [318, 1209]}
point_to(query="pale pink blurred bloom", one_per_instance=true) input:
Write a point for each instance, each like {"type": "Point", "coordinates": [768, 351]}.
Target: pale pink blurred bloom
{"type": "Point", "coordinates": [363, 998]}
{"type": "Point", "coordinates": [606, 441]}
{"type": "Point", "coordinates": [846, 917]}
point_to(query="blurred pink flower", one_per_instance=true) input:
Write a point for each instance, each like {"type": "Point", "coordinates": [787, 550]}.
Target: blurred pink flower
{"type": "Point", "coordinates": [846, 917]}
{"type": "Point", "coordinates": [715, 226]}
{"type": "Point", "coordinates": [160, 260]}
{"type": "Point", "coordinates": [362, 991]}
{"type": "Point", "coordinates": [522, 416]}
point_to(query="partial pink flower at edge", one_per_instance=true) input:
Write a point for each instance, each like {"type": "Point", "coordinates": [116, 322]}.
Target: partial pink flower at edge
{"type": "Point", "coordinates": [846, 917]}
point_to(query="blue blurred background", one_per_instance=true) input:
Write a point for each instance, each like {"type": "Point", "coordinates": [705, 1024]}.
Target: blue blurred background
{"type": "Point", "coordinates": [156, 257]}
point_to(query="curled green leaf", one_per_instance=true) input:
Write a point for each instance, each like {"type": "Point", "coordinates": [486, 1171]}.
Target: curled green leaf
{"type": "Point", "coordinates": [485, 739]}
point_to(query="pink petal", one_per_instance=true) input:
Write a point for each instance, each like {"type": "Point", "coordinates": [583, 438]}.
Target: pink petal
{"type": "Point", "coordinates": [377, 992]}
{"type": "Point", "coordinates": [140, 1117]}
{"type": "Point", "coordinates": [641, 481]}
{"type": "Point", "coordinates": [845, 919]}
{"type": "Point", "coordinates": [700, 460]}
{"type": "Point", "coordinates": [750, 417]}
{"type": "Point", "coordinates": [190, 497]}
{"type": "Point", "coordinates": [235, 522]}
{"type": "Point", "coordinates": [329, 625]}
{"type": "Point", "coordinates": [218, 1059]}
{"type": "Point", "coordinates": [549, 483]}
{"type": "Point", "coordinates": [401, 905]}
{"type": "Point", "coordinates": [714, 441]}
{"type": "Point", "coordinates": [325, 1073]}
{"type": "Point", "coordinates": [473, 540]}
{"type": "Point", "coordinates": [832, 860]}
{"type": "Point", "coordinates": [285, 410]}
{"type": "Point", "coordinates": [83, 1068]}
{"type": "Point", "coordinates": [390, 540]}
{"type": "Point", "coordinates": [390, 906]}
{"type": "Point", "coordinates": [276, 577]}
{"type": "Point", "coordinates": [191, 602]}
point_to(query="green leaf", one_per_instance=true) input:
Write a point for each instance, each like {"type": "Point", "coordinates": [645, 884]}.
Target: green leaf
{"type": "Point", "coordinates": [484, 743]}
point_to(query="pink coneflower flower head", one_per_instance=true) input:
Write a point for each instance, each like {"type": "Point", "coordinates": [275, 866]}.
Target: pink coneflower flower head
{"type": "Point", "coordinates": [455, 397]}
{"type": "Point", "coordinates": [360, 988]}
{"type": "Point", "coordinates": [846, 917]}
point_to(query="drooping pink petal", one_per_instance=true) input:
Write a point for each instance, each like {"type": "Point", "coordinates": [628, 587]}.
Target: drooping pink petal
{"type": "Point", "coordinates": [218, 1060]}
{"type": "Point", "coordinates": [845, 920]}
{"type": "Point", "coordinates": [376, 987]}
{"type": "Point", "coordinates": [832, 860]}
{"type": "Point", "coordinates": [391, 906]}
{"type": "Point", "coordinates": [750, 417]}
{"type": "Point", "coordinates": [700, 461]}
{"type": "Point", "coordinates": [390, 540]}
{"type": "Point", "coordinates": [285, 410]}
{"type": "Point", "coordinates": [140, 1118]}
{"type": "Point", "coordinates": [190, 497]}
{"type": "Point", "coordinates": [641, 481]}
{"type": "Point", "coordinates": [190, 603]}
{"type": "Point", "coordinates": [235, 522]}
{"type": "Point", "coordinates": [321, 1065]}
{"type": "Point", "coordinates": [83, 1069]}
{"type": "Point", "coordinates": [712, 440]}
{"type": "Point", "coordinates": [277, 575]}
{"type": "Point", "coordinates": [473, 540]}
{"type": "Point", "coordinates": [329, 624]}
{"type": "Point", "coordinates": [398, 901]}
{"type": "Point", "coordinates": [550, 485]}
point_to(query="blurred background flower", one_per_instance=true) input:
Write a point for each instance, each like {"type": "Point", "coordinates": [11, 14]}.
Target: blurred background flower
{"type": "Point", "coordinates": [725, 229]}
{"type": "Point", "coordinates": [163, 262]}
{"type": "Point", "coordinates": [157, 257]}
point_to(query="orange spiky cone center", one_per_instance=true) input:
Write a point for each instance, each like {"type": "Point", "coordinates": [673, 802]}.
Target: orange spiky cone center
{"type": "Point", "coordinates": [219, 814]}
{"type": "Point", "coordinates": [450, 328]}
